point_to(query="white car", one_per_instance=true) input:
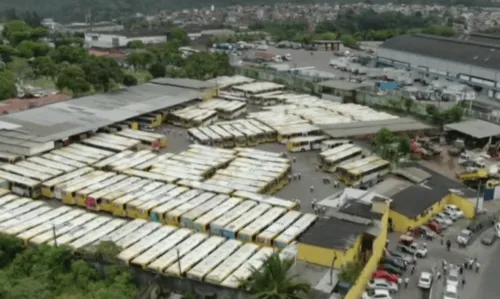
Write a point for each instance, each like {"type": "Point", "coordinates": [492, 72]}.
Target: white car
{"type": "Point", "coordinates": [464, 237]}
{"type": "Point", "coordinates": [376, 294]}
{"type": "Point", "coordinates": [444, 218]}
{"type": "Point", "coordinates": [452, 277]}
{"type": "Point", "coordinates": [441, 222]}
{"type": "Point", "coordinates": [382, 284]}
{"type": "Point", "coordinates": [455, 210]}
{"type": "Point", "coordinates": [425, 280]}
{"type": "Point", "coordinates": [451, 292]}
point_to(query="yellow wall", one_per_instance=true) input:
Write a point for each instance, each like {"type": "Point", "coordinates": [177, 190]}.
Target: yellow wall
{"type": "Point", "coordinates": [324, 256]}
{"type": "Point", "coordinates": [359, 287]}
{"type": "Point", "coordinates": [209, 93]}
{"type": "Point", "coordinates": [401, 223]}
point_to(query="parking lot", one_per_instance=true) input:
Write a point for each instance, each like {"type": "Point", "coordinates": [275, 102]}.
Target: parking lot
{"type": "Point", "coordinates": [305, 164]}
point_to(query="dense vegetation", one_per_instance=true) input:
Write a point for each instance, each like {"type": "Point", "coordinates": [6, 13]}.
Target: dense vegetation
{"type": "Point", "coordinates": [105, 10]}
{"type": "Point", "coordinates": [49, 272]}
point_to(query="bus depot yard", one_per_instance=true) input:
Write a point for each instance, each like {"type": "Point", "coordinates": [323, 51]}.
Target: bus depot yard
{"type": "Point", "coordinates": [221, 193]}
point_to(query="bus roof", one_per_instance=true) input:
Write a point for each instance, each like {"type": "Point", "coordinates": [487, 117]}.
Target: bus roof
{"type": "Point", "coordinates": [279, 225]}
{"type": "Point", "coordinates": [26, 172]}
{"type": "Point", "coordinates": [368, 167]}
{"type": "Point", "coordinates": [227, 267]}
{"type": "Point", "coordinates": [64, 160]}
{"type": "Point", "coordinates": [19, 179]}
{"type": "Point", "coordinates": [146, 243]}
{"type": "Point", "coordinates": [42, 227]}
{"type": "Point", "coordinates": [234, 213]}
{"type": "Point", "coordinates": [247, 269]}
{"type": "Point", "coordinates": [263, 221]}
{"type": "Point", "coordinates": [251, 215]}
{"type": "Point", "coordinates": [138, 234]}
{"type": "Point", "coordinates": [151, 176]}
{"type": "Point", "coordinates": [220, 210]}
{"type": "Point", "coordinates": [62, 228]}
{"type": "Point", "coordinates": [99, 232]}
{"type": "Point", "coordinates": [52, 164]}
{"type": "Point", "coordinates": [213, 260]}
{"type": "Point", "coordinates": [123, 231]}
{"type": "Point", "coordinates": [24, 226]}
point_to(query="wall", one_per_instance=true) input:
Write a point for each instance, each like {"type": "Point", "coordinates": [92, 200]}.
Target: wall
{"type": "Point", "coordinates": [465, 205]}
{"type": "Point", "coordinates": [438, 65]}
{"type": "Point", "coordinates": [324, 256]}
{"type": "Point", "coordinates": [359, 287]}
{"type": "Point", "coordinates": [401, 223]}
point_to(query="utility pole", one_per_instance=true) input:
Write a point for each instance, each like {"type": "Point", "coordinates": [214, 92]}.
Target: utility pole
{"type": "Point", "coordinates": [54, 234]}
{"type": "Point", "coordinates": [331, 268]}
{"type": "Point", "coordinates": [479, 186]}
{"type": "Point", "coordinates": [178, 261]}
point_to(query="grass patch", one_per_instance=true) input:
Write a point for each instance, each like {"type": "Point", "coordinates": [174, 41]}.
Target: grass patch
{"type": "Point", "coordinates": [142, 76]}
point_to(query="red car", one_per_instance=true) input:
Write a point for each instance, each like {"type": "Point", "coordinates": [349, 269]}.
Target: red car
{"type": "Point", "coordinates": [434, 226]}
{"type": "Point", "coordinates": [382, 274]}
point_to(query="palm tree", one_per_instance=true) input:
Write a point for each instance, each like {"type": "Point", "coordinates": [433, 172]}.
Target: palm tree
{"type": "Point", "coordinates": [274, 281]}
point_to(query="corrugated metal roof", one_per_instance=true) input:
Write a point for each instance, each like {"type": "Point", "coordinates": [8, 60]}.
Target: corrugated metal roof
{"type": "Point", "coordinates": [475, 128]}
{"type": "Point", "coordinates": [61, 120]}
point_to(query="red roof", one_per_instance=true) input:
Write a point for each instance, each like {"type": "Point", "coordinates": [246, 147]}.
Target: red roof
{"type": "Point", "coordinates": [107, 53]}
{"type": "Point", "coordinates": [15, 105]}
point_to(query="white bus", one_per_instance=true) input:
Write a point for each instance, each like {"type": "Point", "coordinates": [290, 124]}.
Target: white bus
{"type": "Point", "coordinates": [26, 172]}
{"type": "Point", "coordinates": [84, 153]}
{"type": "Point", "coordinates": [80, 231]}
{"type": "Point", "coordinates": [101, 153]}
{"type": "Point", "coordinates": [285, 133]}
{"type": "Point", "coordinates": [135, 250]}
{"type": "Point", "coordinates": [134, 162]}
{"type": "Point", "coordinates": [156, 161]}
{"type": "Point", "coordinates": [119, 207]}
{"type": "Point", "coordinates": [178, 166]}
{"type": "Point", "coordinates": [238, 137]}
{"type": "Point", "coordinates": [332, 143]}
{"type": "Point", "coordinates": [102, 200]}
{"type": "Point", "coordinates": [365, 172]}
{"type": "Point", "coordinates": [138, 234]}
{"type": "Point", "coordinates": [209, 263]}
{"type": "Point", "coordinates": [151, 176]}
{"type": "Point", "coordinates": [219, 274]}
{"type": "Point", "coordinates": [192, 258]}
{"type": "Point", "coordinates": [52, 164]}
{"type": "Point", "coordinates": [142, 208]}
{"type": "Point", "coordinates": [227, 138]}
{"type": "Point", "coordinates": [171, 211]}
{"type": "Point", "coordinates": [43, 227]}
{"type": "Point", "coordinates": [329, 160]}
{"type": "Point", "coordinates": [178, 173]}
{"type": "Point", "coordinates": [217, 226]}
{"type": "Point", "coordinates": [12, 202]}
{"type": "Point", "coordinates": [270, 200]}
{"type": "Point", "coordinates": [303, 144]}
{"type": "Point", "coordinates": [63, 160]}
{"type": "Point", "coordinates": [206, 187]}
{"type": "Point", "coordinates": [269, 133]}
{"type": "Point", "coordinates": [267, 236]}
{"type": "Point", "coordinates": [202, 224]}
{"type": "Point", "coordinates": [294, 231]}
{"type": "Point", "coordinates": [211, 149]}
{"type": "Point", "coordinates": [81, 196]}
{"type": "Point", "coordinates": [250, 135]}
{"type": "Point", "coordinates": [232, 110]}
{"type": "Point", "coordinates": [71, 156]}
{"type": "Point", "coordinates": [20, 215]}
{"type": "Point", "coordinates": [96, 234]}
{"type": "Point", "coordinates": [215, 139]}
{"type": "Point", "coordinates": [104, 164]}
{"type": "Point", "coordinates": [69, 192]}
{"type": "Point", "coordinates": [164, 261]}
{"type": "Point", "coordinates": [206, 118]}
{"type": "Point", "coordinates": [61, 229]}
{"type": "Point", "coordinates": [195, 135]}
{"type": "Point", "coordinates": [40, 168]}
{"type": "Point", "coordinates": [102, 144]}
{"type": "Point", "coordinates": [21, 185]}
{"type": "Point", "coordinates": [243, 273]}
{"type": "Point", "coordinates": [123, 231]}
{"type": "Point", "coordinates": [264, 158]}
{"type": "Point", "coordinates": [148, 256]}
{"type": "Point", "coordinates": [231, 230]}
{"type": "Point", "coordinates": [25, 225]}
{"type": "Point", "coordinates": [188, 219]}
{"type": "Point", "coordinates": [250, 232]}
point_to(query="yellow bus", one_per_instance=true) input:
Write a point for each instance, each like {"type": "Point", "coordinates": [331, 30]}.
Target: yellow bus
{"type": "Point", "coordinates": [330, 159]}
{"type": "Point", "coordinates": [119, 204]}
{"type": "Point", "coordinates": [96, 200]}
{"type": "Point", "coordinates": [202, 224]}
{"type": "Point", "coordinates": [22, 185]}
{"type": "Point", "coordinates": [285, 133]}
{"type": "Point", "coordinates": [245, 271]}
{"type": "Point", "coordinates": [365, 172]}
{"type": "Point", "coordinates": [305, 144]}
{"type": "Point", "coordinates": [266, 237]}
{"type": "Point", "coordinates": [230, 231]}
{"type": "Point", "coordinates": [173, 210]}
{"type": "Point", "coordinates": [294, 231]}
{"type": "Point", "coordinates": [69, 193]}
{"type": "Point", "coordinates": [209, 263]}
{"type": "Point", "coordinates": [188, 219]}
{"type": "Point", "coordinates": [143, 210]}
{"type": "Point", "coordinates": [81, 195]}
{"type": "Point", "coordinates": [273, 201]}
{"type": "Point", "coordinates": [106, 200]}
{"type": "Point", "coordinates": [9, 158]}
{"type": "Point", "coordinates": [250, 232]}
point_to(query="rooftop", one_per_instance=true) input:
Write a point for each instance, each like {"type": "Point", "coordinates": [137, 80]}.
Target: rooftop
{"type": "Point", "coordinates": [475, 128]}
{"type": "Point", "coordinates": [332, 233]}
{"type": "Point", "coordinates": [360, 209]}
{"type": "Point", "coordinates": [478, 51]}
{"type": "Point", "coordinates": [184, 83]}
{"type": "Point", "coordinates": [344, 85]}
{"type": "Point", "coordinates": [401, 124]}
{"type": "Point", "coordinates": [64, 119]}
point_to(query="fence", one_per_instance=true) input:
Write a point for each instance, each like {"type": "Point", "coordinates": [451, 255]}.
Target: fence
{"type": "Point", "coordinates": [356, 291]}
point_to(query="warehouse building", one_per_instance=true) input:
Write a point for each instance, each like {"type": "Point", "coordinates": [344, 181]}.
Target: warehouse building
{"type": "Point", "coordinates": [38, 130]}
{"type": "Point", "coordinates": [473, 59]}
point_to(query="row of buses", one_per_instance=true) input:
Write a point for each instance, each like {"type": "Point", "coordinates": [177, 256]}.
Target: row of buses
{"type": "Point", "coordinates": [225, 109]}
{"type": "Point", "coordinates": [365, 172]}
{"type": "Point", "coordinates": [229, 134]}
{"type": "Point", "coordinates": [126, 139]}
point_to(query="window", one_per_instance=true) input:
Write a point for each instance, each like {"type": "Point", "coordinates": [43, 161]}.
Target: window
{"type": "Point", "coordinates": [95, 37]}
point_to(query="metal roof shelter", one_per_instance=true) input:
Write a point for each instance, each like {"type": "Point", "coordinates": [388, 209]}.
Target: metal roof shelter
{"type": "Point", "coordinates": [184, 83]}
{"type": "Point", "coordinates": [475, 128]}
{"type": "Point", "coordinates": [372, 127]}
{"type": "Point", "coordinates": [344, 85]}
{"type": "Point", "coordinates": [33, 131]}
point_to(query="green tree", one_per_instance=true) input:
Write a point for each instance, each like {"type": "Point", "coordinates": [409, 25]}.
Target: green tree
{"type": "Point", "coordinates": [70, 54]}
{"type": "Point", "coordinates": [403, 146]}
{"type": "Point", "coordinates": [28, 49]}
{"type": "Point", "coordinates": [136, 44]}
{"type": "Point", "coordinates": [102, 72]}
{"type": "Point", "coordinates": [73, 78]}
{"type": "Point", "coordinates": [274, 281]}
{"type": "Point", "coordinates": [7, 90]}
{"type": "Point", "coordinates": [7, 53]}
{"type": "Point", "coordinates": [44, 66]}
{"type": "Point", "coordinates": [157, 70]}
{"type": "Point", "coordinates": [179, 35]}
{"type": "Point", "coordinates": [349, 272]}
{"type": "Point", "coordinates": [348, 40]}
{"type": "Point", "coordinates": [129, 80]}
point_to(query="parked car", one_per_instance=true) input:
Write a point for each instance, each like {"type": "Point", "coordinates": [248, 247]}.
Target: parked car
{"type": "Point", "coordinates": [451, 292]}
{"type": "Point", "coordinates": [414, 249]}
{"type": "Point", "coordinates": [442, 223]}
{"type": "Point", "coordinates": [395, 261]}
{"type": "Point", "coordinates": [489, 237]}
{"type": "Point", "coordinates": [442, 216]}
{"type": "Point", "coordinates": [382, 274]}
{"type": "Point", "coordinates": [455, 210]}
{"type": "Point", "coordinates": [391, 269]}
{"type": "Point", "coordinates": [376, 294]}
{"type": "Point", "coordinates": [408, 258]}
{"type": "Point", "coordinates": [424, 231]}
{"type": "Point", "coordinates": [452, 277]}
{"type": "Point", "coordinates": [434, 226]}
{"type": "Point", "coordinates": [425, 280]}
{"type": "Point", "coordinates": [464, 237]}
{"type": "Point", "coordinates": [381, 284]}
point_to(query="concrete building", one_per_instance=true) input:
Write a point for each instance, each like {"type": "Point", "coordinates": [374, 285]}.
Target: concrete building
{"type": "Point", "coordinates": [38, 130]}
{"type": "Point", "coordinates": [473, 59]}
{"type": "Point", "coordinates": [107, 40]}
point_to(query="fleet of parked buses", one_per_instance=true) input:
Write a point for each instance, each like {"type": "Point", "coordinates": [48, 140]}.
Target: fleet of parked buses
{"type": "Point", "coordinates": [200, 237]}
{"type": "Point", "coordinates": [206, 213]}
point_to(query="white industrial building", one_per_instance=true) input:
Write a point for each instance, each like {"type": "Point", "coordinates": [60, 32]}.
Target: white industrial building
{"type": "Point", "coordinates": [106, 40]}
{"type": "Point", "coordinates": [474, 59]}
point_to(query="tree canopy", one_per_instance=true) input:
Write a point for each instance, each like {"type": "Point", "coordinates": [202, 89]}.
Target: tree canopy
{"type": "Point", "coordinates": [48, 272]}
